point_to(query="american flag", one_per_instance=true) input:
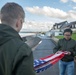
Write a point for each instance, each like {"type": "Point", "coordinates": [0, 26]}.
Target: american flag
{"type": "Point", "coordinates": [44, 63]}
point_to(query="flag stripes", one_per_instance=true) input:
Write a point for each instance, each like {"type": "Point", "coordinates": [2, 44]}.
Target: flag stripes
{"type": "Point", "coordinates": [44, 63]}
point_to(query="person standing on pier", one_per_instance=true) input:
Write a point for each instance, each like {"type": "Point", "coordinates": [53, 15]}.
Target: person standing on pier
{"type": "Point", "coordinates": [16, 58]}
{"type": "Point", "coordinates": [69, 45]}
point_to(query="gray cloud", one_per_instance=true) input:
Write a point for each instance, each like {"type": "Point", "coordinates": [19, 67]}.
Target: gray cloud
{"type": "Point", "coordinates": [52, 12]}
{"type": "Point", "coordinates": [74, 1]}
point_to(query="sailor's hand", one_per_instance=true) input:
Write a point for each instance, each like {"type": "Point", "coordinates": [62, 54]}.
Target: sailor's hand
{"type": "Point", "coordinates": [68, 52]}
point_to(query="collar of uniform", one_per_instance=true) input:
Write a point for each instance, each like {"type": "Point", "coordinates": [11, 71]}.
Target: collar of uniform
{"type": "Point", "coordinates": [67, 40]}
{"type": "Point", "coordinates": [6, 31]}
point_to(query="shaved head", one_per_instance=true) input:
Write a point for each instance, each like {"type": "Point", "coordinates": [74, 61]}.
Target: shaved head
{"type": "Point", "coordinates": [10, 12]}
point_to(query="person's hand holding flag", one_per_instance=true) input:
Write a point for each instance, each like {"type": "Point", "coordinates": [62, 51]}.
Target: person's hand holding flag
{"type": "Point", "coordinates": [65, 52]}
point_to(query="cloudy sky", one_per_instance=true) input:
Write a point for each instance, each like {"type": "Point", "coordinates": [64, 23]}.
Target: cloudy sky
{"type": "Point", "coordinates": [44, 13]}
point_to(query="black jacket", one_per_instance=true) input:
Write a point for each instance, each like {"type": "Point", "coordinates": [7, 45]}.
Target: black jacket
{"type": "Point", "coordinates": [66, 45]}
{"type": "Point", "coordinates": [16, 57]}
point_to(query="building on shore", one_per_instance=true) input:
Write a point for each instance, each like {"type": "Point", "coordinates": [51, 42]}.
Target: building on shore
{"type": "Point", "coordinates": [58, 28]}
